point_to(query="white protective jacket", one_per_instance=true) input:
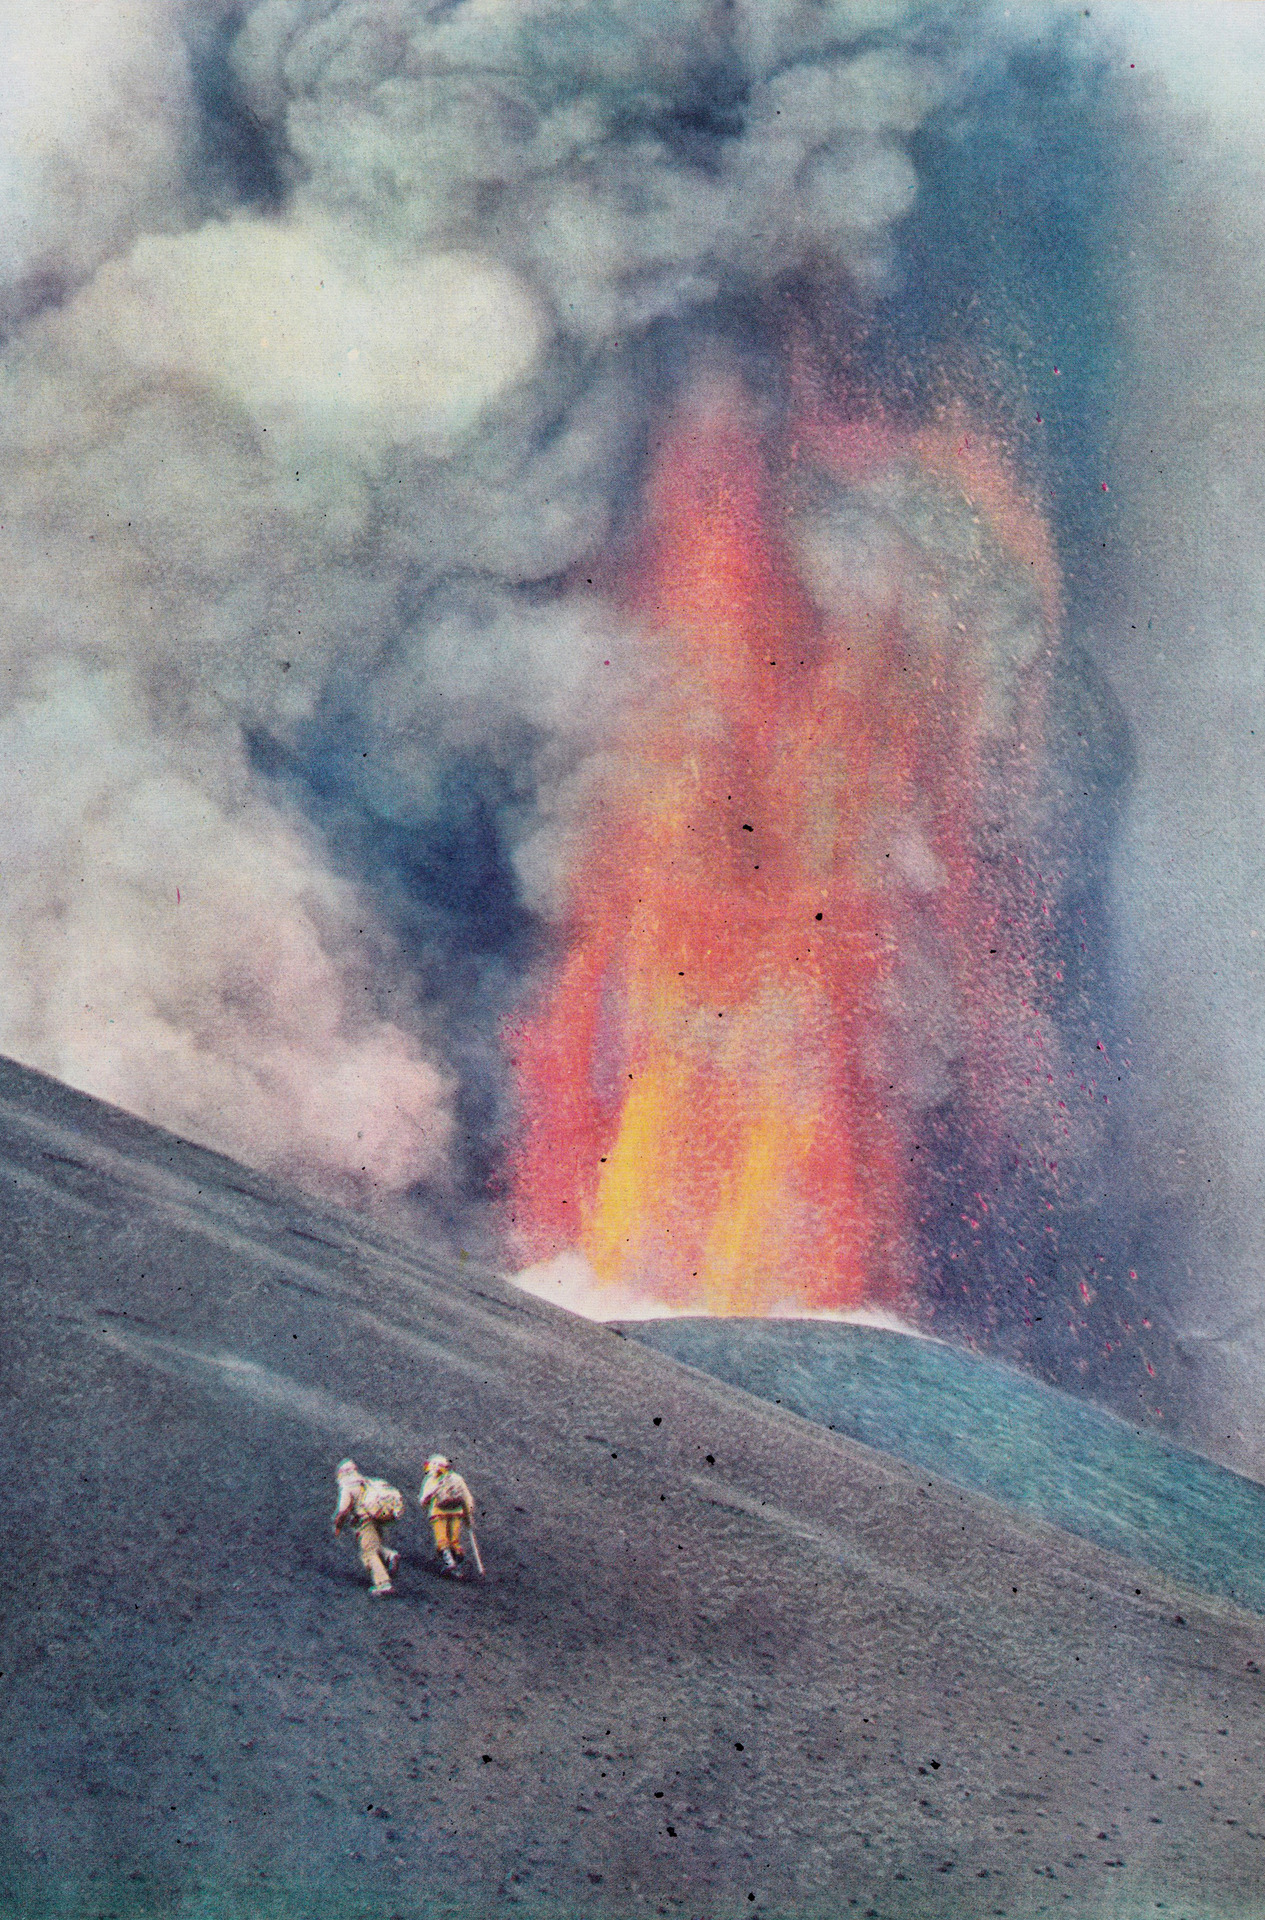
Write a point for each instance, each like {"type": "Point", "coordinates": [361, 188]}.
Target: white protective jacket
{"type": "Point", "coordinates": [446, 1492]}
{"type": "Point", "coordinates": [362, 1499]}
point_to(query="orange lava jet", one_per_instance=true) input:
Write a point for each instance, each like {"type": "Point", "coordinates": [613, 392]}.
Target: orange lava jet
{"type": "Point", "coordinates": [717, 1105]}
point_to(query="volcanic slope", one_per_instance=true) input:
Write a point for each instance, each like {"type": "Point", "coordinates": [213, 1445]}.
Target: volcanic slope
{"type": "Point", "coordinates": [724, 1661]}
{"type": "Point", "coordinates": [991, 1428]}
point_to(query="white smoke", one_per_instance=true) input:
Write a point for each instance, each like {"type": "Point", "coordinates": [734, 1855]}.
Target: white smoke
{"type": "Point", "coordinates": [95, 111]}
{"type": "Point", "coordinates": [181, 952]}
{"type": "Point", "coordinates": [189, 453]}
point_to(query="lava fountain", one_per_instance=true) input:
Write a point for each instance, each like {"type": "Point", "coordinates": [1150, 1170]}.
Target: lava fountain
{"type": "Point", "coordinates": [803, 916]}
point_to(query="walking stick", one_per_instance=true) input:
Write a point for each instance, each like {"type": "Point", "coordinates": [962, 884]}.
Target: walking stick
{"type": "Point", "coordinates": [474, 1548]}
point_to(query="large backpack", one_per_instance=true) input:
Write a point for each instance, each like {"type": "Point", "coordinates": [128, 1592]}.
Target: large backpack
{"type": "Point", "coordinates": [380, 1501]}
{"type": "Point", "coordinates": [450, 1493]}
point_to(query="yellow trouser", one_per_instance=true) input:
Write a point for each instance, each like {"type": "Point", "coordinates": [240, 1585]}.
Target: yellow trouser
{"type": "Point", "coordinates": [447, 1528]}
{"type": "Point", "coordinates": [369, 1540]}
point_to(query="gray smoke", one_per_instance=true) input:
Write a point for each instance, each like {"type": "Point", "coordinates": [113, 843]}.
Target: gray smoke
{"type": "Point", "coordinates": [337, 334]}
{"type": "Point", "coordinates": [629, 161]}
{"type": "Point", "coordinates": [1182, 641]}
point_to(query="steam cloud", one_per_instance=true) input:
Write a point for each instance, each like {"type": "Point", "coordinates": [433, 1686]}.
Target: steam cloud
{"type": "Point", "coordinates": [337, 334]}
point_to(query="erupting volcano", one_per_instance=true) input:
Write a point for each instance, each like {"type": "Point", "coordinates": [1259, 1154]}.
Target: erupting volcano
{"type": "Point", "coordinates": [802, 918]}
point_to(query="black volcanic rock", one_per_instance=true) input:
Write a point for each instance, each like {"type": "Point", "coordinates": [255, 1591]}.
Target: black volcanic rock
{"type": "Point", "coordinates": [724, 1662]}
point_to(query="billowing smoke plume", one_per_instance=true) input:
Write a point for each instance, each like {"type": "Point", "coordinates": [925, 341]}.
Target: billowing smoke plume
{"type": "Point", "coordinates": [295, 499]}
{"type": "Point", "coordinates": [341, 342]}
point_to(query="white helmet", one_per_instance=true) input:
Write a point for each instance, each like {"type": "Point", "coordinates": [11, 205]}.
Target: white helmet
{"type": "Point", "coordinates": [438, 1463]}
{"type": "Point", "coordinates": [346, 1470]}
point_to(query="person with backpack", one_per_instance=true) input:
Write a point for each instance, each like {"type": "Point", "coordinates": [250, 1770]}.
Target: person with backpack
{"type": "Point", "coordinates": [449, 1501]}
{"type": "Point", "coordinates": [372, 1506]}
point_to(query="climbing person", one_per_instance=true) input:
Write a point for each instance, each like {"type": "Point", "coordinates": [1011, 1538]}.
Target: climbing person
{"type": "Point", "coordinates": [372, 1505]}
{"type": "Point", "coordinates": [449, 1501]}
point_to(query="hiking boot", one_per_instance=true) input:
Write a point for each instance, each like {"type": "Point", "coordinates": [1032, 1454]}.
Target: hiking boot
{"type": "Point", "coordinates": [380, 1593]}
{"type": "Point", "coordinates": [447, 1564]}
{"type": "Point", "coordinates": [392, 1557]}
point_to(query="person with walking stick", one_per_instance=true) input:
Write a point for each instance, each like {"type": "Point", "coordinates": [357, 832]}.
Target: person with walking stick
{"type": "Point", "coordinates": [448, 1501]}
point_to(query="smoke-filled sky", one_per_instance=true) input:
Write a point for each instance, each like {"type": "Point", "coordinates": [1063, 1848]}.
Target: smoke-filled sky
{"type": "Point", "coordinates": [358, 355]}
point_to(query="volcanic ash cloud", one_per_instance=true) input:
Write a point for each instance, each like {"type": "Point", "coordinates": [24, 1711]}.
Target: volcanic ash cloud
{"type": "Point", "coordinates": [189, 452]}
{"type": "Point", "coordinates": [334, 473]}
{"type": "Point", "coordinates": [96, 108]}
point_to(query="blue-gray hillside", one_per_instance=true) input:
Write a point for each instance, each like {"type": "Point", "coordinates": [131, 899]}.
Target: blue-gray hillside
{"type": "Point", "coordinates": [990, 1428]}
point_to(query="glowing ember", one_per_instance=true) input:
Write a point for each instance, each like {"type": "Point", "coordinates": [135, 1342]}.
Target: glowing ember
{"type": "Point", "coordinates": [715, 1107]}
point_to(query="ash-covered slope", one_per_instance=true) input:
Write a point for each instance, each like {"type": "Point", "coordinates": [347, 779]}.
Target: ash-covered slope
{"type": "Point", "coordinates": [988, 1427]}
{"type": "Point", "coordinates": [725, 1661]}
